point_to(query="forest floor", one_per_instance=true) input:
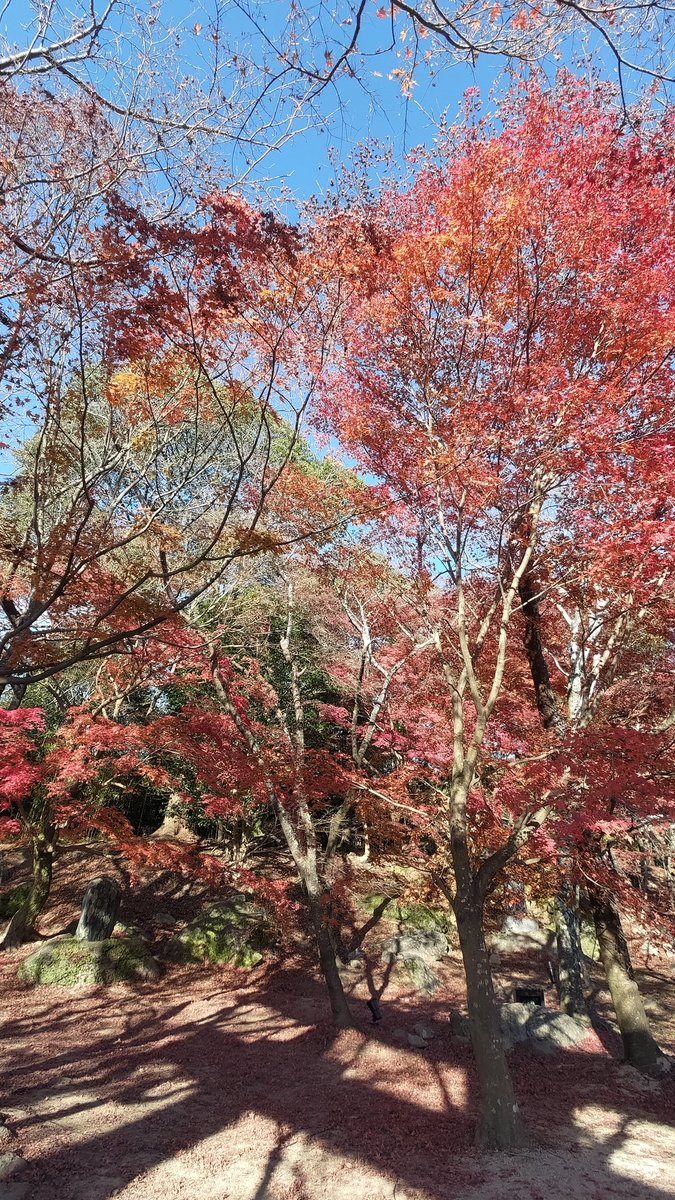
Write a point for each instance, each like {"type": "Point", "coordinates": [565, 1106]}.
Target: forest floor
{"type": "Point", "coordinates": [225, 1084]}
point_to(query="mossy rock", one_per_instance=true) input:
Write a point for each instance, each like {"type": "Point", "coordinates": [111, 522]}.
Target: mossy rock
{"type": "Point", "coordinates": [235, 932]}
{"type": "Point", "coordinates": [416, 916]}
{"type": "Point", "coordinates": [416, 972]}
{"type": "Point", "coordinates": [11, 902]}
{"type": "Point", "coordinates": [70, 962]}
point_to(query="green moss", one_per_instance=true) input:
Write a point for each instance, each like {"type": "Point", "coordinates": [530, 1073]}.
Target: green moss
{"type": "Point", "coordinates": [234, 932]}
{"type": "Point", "coordinates": [11, 902]}
{"type": "Point", "coordinates": [415, 916]}
{"type": "Point", "coordinates": [69, 962]}
{"type": "Point", "coordinates": [421, 975]}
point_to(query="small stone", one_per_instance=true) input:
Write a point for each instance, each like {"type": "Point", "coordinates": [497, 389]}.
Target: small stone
{"type": "Point", "coordinates": [164, 920]}
{"type": "Point", "coordinates": [6, 1134]}
{"type": "Point", "coordinates": [418, 1042]}
{"type": "Point", "coordinates": [10, 1164]}
{"type": "Point", "coordinates": [459, 1026]}
{"type": "Point", "coordinates": [495, 959]}
{"type": "Point", "coordinates": [632, 1078]}
{"type": "Point", "coordinates": [424, 1031]}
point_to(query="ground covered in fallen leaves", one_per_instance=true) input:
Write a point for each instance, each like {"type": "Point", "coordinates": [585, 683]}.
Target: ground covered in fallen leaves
{"type": "Point", "coordinates": [225, 1084]}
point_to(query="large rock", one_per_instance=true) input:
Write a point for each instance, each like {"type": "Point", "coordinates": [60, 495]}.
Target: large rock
{"type": "Point", "coordinates": [546, 1030]}
{"type": "Point", "coordinates": [514, 1023]}
{"type": "Point", "coordinates": [69, 962]}
{"type": "Point", "coordinates": [550, 1030]}
{"type": "Point", "coordinates": [411, 953]}
{"type": "Point", "coordinates": [99, 910]}
{"type": "Point", "coordinates": [9, 1164]}
{"type": "Point", "coordinates": [234, 931]}
{"type": "Point", "coordinates": [430, 945]}
{"type": "Point", "coordinates": [419, 973]}
{"type": "Point", "coordinates": [520, 934]}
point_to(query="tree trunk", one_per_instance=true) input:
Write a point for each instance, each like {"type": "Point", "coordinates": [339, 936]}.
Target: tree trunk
{"type": "Point", "coordinates": [500, 1126]}
{"type": "Point", "coordinates": [22, 925]}
{"type": "Point", "coordinates": [342, 1017]}
{"type": "Point", "coordinates": [43, 861]}
{"type": "Point", "coordinates": [570, 965]}
{"type": "Point", "coordinates": [639, 1045]}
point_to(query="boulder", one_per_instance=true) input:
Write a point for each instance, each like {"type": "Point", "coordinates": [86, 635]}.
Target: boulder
{"type": "Point", "coordinates": [522, 926]}
{"type": "Point", "coordinates": [546, 1030]}
{"type": "Point", "coordinates": [430, 945]}
{"type": "Point", "coordinates": [234, 931]}
{"type": "Point", "coordinates": [409, 914]}
{"type": "Point", "coordinates": [164, 920]}
{"type": "Point", "coordinates": [514, 1021]}
{"type": "Point", "coordinates": [417, 972]}
{"type": "Point", "coordinates": [71, 962]}
{"type": "Point", "coordinates": [10, 1164]}
{"type": "Point", "coordinates": [423, 1030]}
{"type": "Point", "coordinates": [550, 1030]}
{"type": "Point", "coordinates": [520, 934]}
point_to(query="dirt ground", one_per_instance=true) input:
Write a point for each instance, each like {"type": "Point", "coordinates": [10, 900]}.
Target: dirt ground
{"type": "Point", "coordinates": [224, 1084]}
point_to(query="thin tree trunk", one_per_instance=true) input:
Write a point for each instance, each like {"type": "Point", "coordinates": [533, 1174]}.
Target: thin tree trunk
{"type": "Point", "coordinates": [43, 862]}
{"type": "Point", "coordinates": [22, 925]}
{"type": "Point", "coordinates": [500, 1126]}
{"type": "Point", "coordinates": [640, 1047]}
{"type": "Point", "coordinates": [570, 965]}
{"type": "Point", "coordinates": [342, 1017]}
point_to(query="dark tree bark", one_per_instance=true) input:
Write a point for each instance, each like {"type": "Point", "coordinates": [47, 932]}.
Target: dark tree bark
{"type": "Point", "coordinates": [570, 963]}
{"type": "Point", "coordinates": [640, 1047]}
{"type": "Point", "coordinates": [547, 701]}
{"type": "Point", "coordinates": [500, 1126]}
{"type": "Point", "coordinates": [342, 1017]}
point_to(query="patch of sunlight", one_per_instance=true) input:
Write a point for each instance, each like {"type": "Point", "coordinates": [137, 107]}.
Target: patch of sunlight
{"type": "Point", "coordinates": [435, 1090]}
{"type": "Point", "coordinates": [266, 1159]}
{"type": "Point", "coordinates": [636, 1149]}
{"type": "Point", "coordinates": [77, 1111]}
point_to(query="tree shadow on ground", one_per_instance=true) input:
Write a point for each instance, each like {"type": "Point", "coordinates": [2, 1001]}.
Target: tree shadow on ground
{"type": "Point", "coordinates": [107, 1090]}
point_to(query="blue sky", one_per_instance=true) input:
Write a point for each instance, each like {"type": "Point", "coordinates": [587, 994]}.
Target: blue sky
{"type": "Point", "coordinates": [370, 106]}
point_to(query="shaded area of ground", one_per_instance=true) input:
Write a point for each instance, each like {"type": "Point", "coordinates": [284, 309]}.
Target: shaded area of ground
{"type": "Point", "coordinates": [230, 1087]}
{"type": "Point", "coordinates": [222, 1084]}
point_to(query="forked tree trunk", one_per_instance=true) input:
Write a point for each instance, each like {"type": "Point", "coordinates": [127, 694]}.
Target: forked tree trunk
{"type": "Point", "coordinates": [500, 1125]}
{"type": "Point", "coordinates": [640, 1047]}
{"type": "Point", "coordinates": [570, 963]}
